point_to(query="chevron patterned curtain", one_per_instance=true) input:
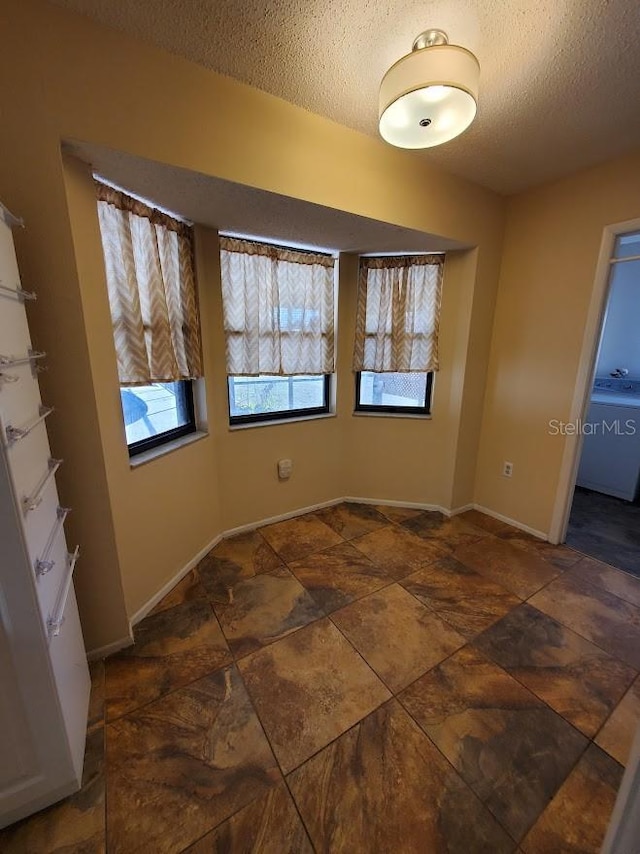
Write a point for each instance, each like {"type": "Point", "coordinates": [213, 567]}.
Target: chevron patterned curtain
{"type": "Point", "coordinates": [398, 314]}
{"type": "Point", "coordinates": [278, 309]}
{"type": "Point", "coordinates": [152, 292]}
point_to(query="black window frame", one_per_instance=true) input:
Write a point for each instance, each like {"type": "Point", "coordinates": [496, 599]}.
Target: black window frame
{"type": "Point", "coordinates": [396, 410]}
{"type": "Point", "coordinates": [167, 436]}
{"type": "Point", "coordinates": [282, 414]}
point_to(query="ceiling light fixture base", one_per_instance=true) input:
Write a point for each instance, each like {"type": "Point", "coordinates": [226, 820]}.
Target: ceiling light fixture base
{"type": "Point", "coordinates": [430, 38]}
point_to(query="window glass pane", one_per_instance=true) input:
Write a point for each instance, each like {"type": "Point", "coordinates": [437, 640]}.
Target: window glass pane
{"type": "Point", "coordinates": [150, 410]}
{"type": "Point", "coordinates": [269, 394]}
{"type": "Point", "coordinates": [392, 389]}
{"type": "Point", "coordinates": [627, 246]}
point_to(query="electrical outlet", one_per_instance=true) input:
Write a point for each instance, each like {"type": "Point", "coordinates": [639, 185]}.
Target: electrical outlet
{"type": "Point", "coordinates": [507, 469]}
{"type": "Point", "coordinates": [285, 468]}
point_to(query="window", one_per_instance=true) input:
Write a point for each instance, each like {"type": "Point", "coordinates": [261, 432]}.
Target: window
{"type": "Point", "coordinates": [156, 414]}
{"type": "Point", "coordinates": [154, 312]}
{"type": "Point", "coordinates": [394, 392]}
{"type": "Point", "coordinates": [396, 343]}
{"type": "Point", "coordinates": [254, 399]}
{"type": "Point", "coordinates": [279, 330]}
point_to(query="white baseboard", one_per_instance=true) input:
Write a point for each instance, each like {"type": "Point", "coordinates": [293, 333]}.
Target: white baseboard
{"type": "Point", "coordinates": [104, 651]}
{"type": "Point", "coordinates": [141, 613]}
{"type": "Point", "coordinates": [282, 517]}
{"type": "Point", "coordinates": [507, 520]}
{"type": "Point", "coordinates": [458, 510]}
{"type": "Point", "coordinates": [390, 502]}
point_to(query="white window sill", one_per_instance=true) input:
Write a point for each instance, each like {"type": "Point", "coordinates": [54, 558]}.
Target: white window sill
{"type": "Point", "coordinates": [412, 415]}
{"type": "Point", "coordinates": [168, 448]}
{"type": "Point", "coordinates": [233, 427]}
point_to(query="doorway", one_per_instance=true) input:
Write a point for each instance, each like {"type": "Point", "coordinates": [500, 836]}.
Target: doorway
{"type": "Point", "coordinates": [602, 516]}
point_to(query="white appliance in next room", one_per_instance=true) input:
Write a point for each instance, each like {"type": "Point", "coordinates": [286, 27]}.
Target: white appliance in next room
{"type": "Point", "coordinates": [610, 460]}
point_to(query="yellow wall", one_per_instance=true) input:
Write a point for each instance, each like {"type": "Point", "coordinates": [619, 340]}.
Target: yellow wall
{"type": "Point", "coordinates": [165, 509]}
{"type": "Point", "coordinates": [247, 457]}
{"type": "Point", "coordinates": [551, 248]}
{"type": "Point", "coordinates": [67, 78]}
{"type": "Point", "coordinates": [407, 459]}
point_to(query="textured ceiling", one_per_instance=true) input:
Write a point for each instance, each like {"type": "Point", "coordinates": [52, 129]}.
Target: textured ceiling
{"type": "Point", "coordinates": [256, 213]}
{"type": "Point", "coordinates": [560, 79]}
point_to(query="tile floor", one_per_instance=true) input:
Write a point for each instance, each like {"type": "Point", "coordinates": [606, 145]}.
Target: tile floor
{"type": "Point", "coordinates": [364, 680]}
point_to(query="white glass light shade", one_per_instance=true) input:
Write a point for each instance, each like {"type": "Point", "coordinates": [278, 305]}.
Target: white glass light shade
{"type": "Point", "coordinates": [429, 96]}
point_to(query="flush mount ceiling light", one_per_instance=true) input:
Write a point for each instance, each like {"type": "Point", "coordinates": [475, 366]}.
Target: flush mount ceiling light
{"type": "Point", "coordinates": [429, 96]}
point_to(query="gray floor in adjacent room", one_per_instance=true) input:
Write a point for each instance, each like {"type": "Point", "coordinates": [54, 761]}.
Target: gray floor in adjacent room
{"type": "Point", "coordinates": [606, 528]}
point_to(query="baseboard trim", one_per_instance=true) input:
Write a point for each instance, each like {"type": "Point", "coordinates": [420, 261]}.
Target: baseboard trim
{"type": "Point", "coordinates": [282, 517]}
{"type": "Point", "coordinates": [104, 651]}
{"type": "Point", "coordinates": [412, 505]}
{"type": "Point", "coordinates": [166, 588]}
{"type": "Point", "coordinates": [507, 520]}
{"type": "Point", "coordinates": [464, 509]}
{"type": "Point", "coordinates": [141, 613]}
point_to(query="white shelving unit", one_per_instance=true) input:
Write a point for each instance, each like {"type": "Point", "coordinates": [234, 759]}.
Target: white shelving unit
{"type": "Point", "coordinates": [43, 668]}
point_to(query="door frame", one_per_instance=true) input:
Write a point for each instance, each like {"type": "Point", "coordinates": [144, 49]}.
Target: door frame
{"type": "Point", "coordinates": [584, 378]}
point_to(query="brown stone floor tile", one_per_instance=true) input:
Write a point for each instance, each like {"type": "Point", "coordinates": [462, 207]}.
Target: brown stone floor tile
{"type": "Point", "coordinates": [76, 824]}
{"type": "Point", "coordinates": [234, 560]}
{"type": "Point", "coordinates": [486, 522]}
{"type": "Point", "coordinates": [396, 635]}
{"type": "Point", "coordinates": [268, 825]}
{"type": "Point", "coordinates": [172, 648]}
{"type": "Point", "coordinates": [519, 571]}
{"type": "Point", "coordinates": [181, 765]}
{"type": "Point", "coordinates": [338, 575]}
{"type": "Point", "coordinates": [265, 608]}
{"type": "Point", "coordinates": [449, 532]}
{"type": "Point", "coordinates": [506, 744]}
{"type": "Point", "coordinates": [308, 689]}
{"type": "Point", "coordinates": [616, 736]}
{"type": "Point", "coordinates": [560, 556]}
{"type": "Point", "coordinates": [465, 599]}
{"type": "Point", "coordinates": [608, 578]}
{"type": "Point", "coordinates": [352, 519]}
{"type": "Point", "coordinates": [601, 617]}
{"type": "Point", "coordinates": [189, 589]}
{"type": "Point", "coordinates": [397, 514]}
{"type": "Point", "coordinates": [299, 537]}
{"type": "Point", "coordinates": [576, 820]}
{"type": "Point", "coordinates": [577, 679]}
{"type": "Point", "coordinates": [383, 787]}
{"type": "Point", "coordinates": [397, 551]}
{"type": "Point", "coordinates": [95, 715]}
